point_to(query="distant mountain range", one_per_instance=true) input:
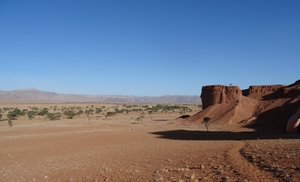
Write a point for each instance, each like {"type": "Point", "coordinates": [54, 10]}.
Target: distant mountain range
{"type": "Point", "coordinates": [44, 96]}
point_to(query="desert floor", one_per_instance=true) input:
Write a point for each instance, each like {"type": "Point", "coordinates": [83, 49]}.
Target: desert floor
{"type": "Point", "coordinates": [158, 149]}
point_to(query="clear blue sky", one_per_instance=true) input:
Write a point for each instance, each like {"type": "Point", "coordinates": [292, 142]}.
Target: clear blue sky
{"type": "Point", "coordinates": [147, 47]}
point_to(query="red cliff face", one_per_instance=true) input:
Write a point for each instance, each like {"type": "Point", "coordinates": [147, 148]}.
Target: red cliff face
{"type": "Point", "coordinates": [258, 92]}
{"type": "Point", "coordinates": [218, 94]}
{"type": "Point", "coordinates": [263, 108]}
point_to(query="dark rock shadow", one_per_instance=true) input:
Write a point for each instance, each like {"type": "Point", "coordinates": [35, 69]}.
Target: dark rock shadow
{"type": "Point", "coordinates": [221, 135]}
{"type": "Point", "coordinates": [274, 119]}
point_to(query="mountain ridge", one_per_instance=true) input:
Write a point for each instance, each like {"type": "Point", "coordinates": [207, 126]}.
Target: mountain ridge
{"type": "Point", "coordinates": [32, 94]}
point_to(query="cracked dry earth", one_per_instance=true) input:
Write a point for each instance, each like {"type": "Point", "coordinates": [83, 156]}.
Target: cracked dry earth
{"type": "Point", "coordinates": [110, 151]}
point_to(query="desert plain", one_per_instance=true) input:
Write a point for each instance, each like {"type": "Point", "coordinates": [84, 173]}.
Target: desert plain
{"type": "Point", "coordinates": [129, 142]}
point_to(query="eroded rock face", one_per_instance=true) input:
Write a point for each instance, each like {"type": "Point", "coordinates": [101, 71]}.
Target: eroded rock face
{"type": "Point", "coordinates": [290, 91]}
{"type": "Point", "coordinates": [218, 94]}
{"type": "Point", "coordinates": [263, 108]}
{"type": "Point", "coordinates": [263, 90]}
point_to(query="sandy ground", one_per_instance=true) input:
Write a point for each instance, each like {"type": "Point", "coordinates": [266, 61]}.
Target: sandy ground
{"type": "Point", "coordinates": [114, 150]}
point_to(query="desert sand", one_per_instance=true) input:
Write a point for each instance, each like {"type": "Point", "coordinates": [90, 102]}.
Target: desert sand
{"type": "Point", "coordinates": [160, 148]}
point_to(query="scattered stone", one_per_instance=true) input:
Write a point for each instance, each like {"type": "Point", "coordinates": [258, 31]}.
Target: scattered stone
{"type": "Point", "coordinates": [225, 178]}
{"type": "Point", "coordinates": [201, 166]}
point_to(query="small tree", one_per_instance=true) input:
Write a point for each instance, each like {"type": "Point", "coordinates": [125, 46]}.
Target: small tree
{"type": "Point", "coordinates": [31, 114]}
{"type": "Point", "coordinates": [53, 116]}
{"type": "Point", "coordinates": [140, 118]}
{"type": "Point", "coordinates": [88, 112]}
{"type": "Point", "coordinates": [12, 115]}
{"type": "Point", "coordinates": [110, 114]}
{"type": "Point", "coordinates": [80, 112]}
{"type": "Point", "coordinates": [206, 120]}
{"type": "Point", "coordinates": [70, 114]}
{"type": "Point", "coordinates": [43, 112]}
{"type": "Point", "coordinates": [98, 110]}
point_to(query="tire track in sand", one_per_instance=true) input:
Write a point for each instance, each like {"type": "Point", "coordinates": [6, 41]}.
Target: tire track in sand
{"type": "Point", "coordinates": [243, 168]}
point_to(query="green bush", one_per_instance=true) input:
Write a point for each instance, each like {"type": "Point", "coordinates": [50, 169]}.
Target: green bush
{"type": "Point", "coordinates": [53, 116]}
{"type": "Point", "coordinates": [12, 115]}
{"type": "Point", "coordinates": [31, 114]}
{"type": "Point", "coordinates": [80, 112]}
{"type": "Point", "coordinates": [98, 110]}
{"type": "Point", "coordinates": [89, 111]}
{"type": "Point", "coordinates": [69, 114]}
{"type": "Point", "coordinates": [110, 114]}
{"type": "Point", "coordinates": [43, 112]}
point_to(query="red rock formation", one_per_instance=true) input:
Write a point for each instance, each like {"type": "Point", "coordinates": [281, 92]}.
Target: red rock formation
{"type": "Point", "coordinates": [218, 94]}
{"type": "Point", "coordinates": [258, 92]}
{"type": "Point", "coordinates": [290, 91]}
{"type": "Point", "coordinates": [263, 108]}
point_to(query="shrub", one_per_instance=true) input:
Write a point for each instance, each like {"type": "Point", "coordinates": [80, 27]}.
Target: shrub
{"type": "Point", "coordinates": [98, 110]}
{"type": "Point", "coordinates": [31, 114]}
{"type": "Point", "coordinates": [12, 115]}
{"type": "Point", "coordinates": [70, 114]}
{"type": "Point", "coordinates": [80, 112]}
{"type": "Point", "coordinates": [53, 116]}
{"type": "Point", "coordinates": [140, 118]}
{"type": "Point", "coordinates": [110, 114]}
{"type": "Point", "coordinates": [89, 111]}
{"type": "Point", "coordinates": [43, 112]}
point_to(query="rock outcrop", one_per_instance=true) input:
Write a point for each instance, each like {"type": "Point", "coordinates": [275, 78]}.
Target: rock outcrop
{"type": "Point", "coordinates": [262, 91]}
{"type": "Point", "coordinates": [218, 94]}
{"type": "Point", "coordinates": [264, 108]}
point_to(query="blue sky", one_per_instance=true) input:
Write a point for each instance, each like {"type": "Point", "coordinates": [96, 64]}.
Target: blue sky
{"type": "Point", "coordinates": [147, 47]}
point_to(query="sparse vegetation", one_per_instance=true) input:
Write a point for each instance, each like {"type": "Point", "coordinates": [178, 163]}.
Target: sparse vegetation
{"type": "Point", "coordinates": [43, 112]}
{"type": "Point", "coordinates": [110, 114]}
{"type": "Point", "coordinates": [140, 118]}
{"type": "Point", "coordinates": [12, 115]}
{"type": "Point", "coordinates": [31, 114]}
{"type": "Point", "coordinates": [54, 116]}
{"type": "Point", "coordinates": [206, 120]}
{"type": "Point", "coordinates": [71, 110]}
{"type": "Point", "coordinates": [80, 112]}
{"type": "Point", "coordinates": [98, 110]}
{"type": "Point", "coordinates": [70, 114]}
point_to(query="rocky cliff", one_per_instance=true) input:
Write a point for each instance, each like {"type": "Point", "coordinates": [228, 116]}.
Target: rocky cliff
{"type": "Point", "coordinates": [265, 108]}
{"type": "Point", "coordinates": [218, 94]}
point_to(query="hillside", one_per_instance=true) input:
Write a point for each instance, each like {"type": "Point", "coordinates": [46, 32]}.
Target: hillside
{"type": "Point", "coordinates": [44, 96]}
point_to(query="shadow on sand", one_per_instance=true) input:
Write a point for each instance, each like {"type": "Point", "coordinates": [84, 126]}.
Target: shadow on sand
{"type": "Point", "coordinates": [222, 135]}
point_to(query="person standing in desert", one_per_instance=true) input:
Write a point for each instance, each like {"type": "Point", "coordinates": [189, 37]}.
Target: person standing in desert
{"type": "Point", "coordinates": [293, 122]}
